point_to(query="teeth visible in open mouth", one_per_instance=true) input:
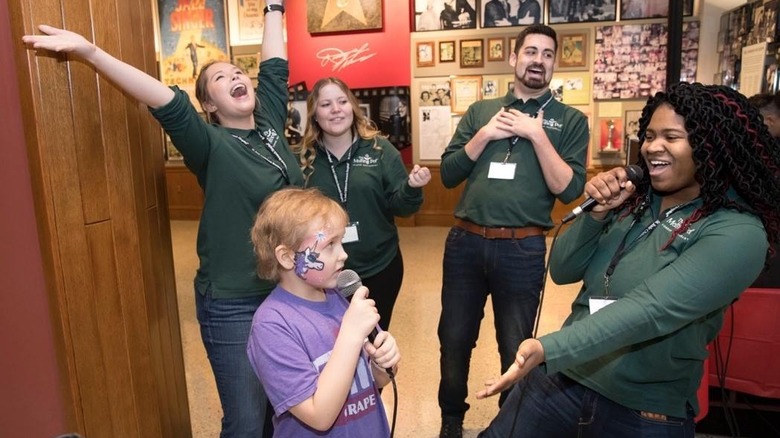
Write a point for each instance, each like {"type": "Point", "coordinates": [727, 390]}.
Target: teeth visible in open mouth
{"type": "Point", "coordinates": [238, 90]}
{"type": "Point", "coordinates": [659, 163]}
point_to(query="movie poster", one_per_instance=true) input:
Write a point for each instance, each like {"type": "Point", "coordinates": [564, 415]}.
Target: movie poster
{"type": "Point", "coordinates": [192, 32]}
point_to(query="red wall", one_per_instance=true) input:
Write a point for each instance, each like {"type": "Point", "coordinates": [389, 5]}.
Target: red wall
{"type": "Point", "coordinates": [30, 401]}
{"type": "Point", "coordinates": [388, 67]}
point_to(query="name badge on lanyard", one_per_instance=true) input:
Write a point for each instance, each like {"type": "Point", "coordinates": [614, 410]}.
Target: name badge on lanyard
{"type": "Point", "coordinates": [351, 233]}
{"type": "Point", "coordinates": [597, 303]}
{"type": "Point", "coordinates": [502, 170]}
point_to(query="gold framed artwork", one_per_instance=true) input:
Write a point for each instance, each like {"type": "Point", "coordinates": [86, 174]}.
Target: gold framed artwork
{"type": "Point", "coordinates": [249, 63]}
{"type": "Point", "coordinates": [573, 50]}
{"type": "Point", "coordinates": [446, 51]}
{"type": "Point", "coordinates": [471, 53]}
{"type": "Point", "coordinates": [246, 22]}
{"type": "Point", "coordinates": [496, 49]}
{"type": "Point", "coordinates": [325, 16]}
{"type": "Point", "coordinates": [465, 91]}
{"type": "Point", "coordinates": [425, 54]}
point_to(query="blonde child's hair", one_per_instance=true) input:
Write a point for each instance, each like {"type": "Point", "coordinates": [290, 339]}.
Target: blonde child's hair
{"type": "Point", "coordinates": [285, 218]}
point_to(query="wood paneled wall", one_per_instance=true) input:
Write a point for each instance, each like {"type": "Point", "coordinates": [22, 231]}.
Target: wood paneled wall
{"type": "Point", "coordinates": [186, 199]}
{"type": "Point", "coordinates": [97, 170]}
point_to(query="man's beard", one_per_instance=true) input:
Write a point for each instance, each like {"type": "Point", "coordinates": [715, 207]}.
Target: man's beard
{"type": "Point", "coordinates": [534, 84]}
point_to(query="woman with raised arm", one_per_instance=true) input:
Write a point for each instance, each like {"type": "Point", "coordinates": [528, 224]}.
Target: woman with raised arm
{"type": "Point", "coordinates": [239, 157]}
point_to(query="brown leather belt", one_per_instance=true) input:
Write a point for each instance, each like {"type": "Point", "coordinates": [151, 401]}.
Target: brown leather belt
{"type": "Point", "coordinates": [498, 232]}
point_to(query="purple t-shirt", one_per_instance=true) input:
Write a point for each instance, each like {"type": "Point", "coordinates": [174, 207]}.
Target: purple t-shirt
{"type": "Point", "coordinates": [290, 342]}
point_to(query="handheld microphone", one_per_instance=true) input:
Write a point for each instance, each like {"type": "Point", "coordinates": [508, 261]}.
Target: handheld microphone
{"type": "Point", "coordinates": [635, 175]}
{"type": "Point", "coordinates": [348, 282]}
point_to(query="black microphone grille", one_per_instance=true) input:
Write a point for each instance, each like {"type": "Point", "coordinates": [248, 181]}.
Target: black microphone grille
{"type": "Point", "coordinates": [348, 282]}
{"type": "Point", "coordinates": [634, 173]}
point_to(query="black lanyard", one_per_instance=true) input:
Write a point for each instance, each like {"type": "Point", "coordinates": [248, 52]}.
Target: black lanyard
{"type": "Point", "coordinates": [270, 147]}
{"type": "Point", "coordinates": [622, 249]}
{"type": "Point", "coordinates": [513, 142]}
{"type": "Point", "coordinates": [342, 193]}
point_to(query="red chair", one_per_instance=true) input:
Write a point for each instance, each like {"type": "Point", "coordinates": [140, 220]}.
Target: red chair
{"type": "Point", "coordinates": [749, 345]}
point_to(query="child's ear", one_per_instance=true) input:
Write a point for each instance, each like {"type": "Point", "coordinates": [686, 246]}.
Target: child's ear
{"type": "Point", "coordinates": [285, 257]}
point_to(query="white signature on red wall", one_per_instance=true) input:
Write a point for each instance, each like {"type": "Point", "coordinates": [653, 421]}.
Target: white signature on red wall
{"type": "Point", "coordinates": [341, 59]}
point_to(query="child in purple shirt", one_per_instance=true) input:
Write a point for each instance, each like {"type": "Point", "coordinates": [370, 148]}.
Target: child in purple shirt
{"type": "Point", "coordinates": [307, 343]}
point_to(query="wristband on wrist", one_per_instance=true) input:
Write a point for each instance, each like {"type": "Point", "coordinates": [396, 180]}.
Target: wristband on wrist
{"type": "Point", "coordinates": [269, 8]}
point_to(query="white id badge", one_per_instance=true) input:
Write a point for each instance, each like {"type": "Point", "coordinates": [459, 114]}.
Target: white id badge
{"type": "Point", "coordinates": [599, 303]}
{"type": "Point", "coordinates": [502, 170]}
{"type": "Point", "coordinates": [351, 233]}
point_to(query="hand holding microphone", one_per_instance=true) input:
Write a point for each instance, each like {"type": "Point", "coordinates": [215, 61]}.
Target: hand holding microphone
{"type": "Point", "coordinates": [608, 190]}
{"type": "Point", "coordinates": [386, 355]}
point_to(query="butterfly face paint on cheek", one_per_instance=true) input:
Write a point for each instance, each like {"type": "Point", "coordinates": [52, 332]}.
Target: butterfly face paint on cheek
{"type": "Point", "coordinates": [308, 259]}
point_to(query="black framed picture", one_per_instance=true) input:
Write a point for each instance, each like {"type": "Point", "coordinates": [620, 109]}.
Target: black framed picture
{"type": "Point", "coordinates": [444, 14]}
{"type": "Point", "coordinates": [388, 108]}
{"type": "Point", "coordinates": [643, 9]}
{"type": "Point", "coordinates": [580, 11]}
{"type": "Point", "coordinates": [297, 113]}
{"type": "Point", "coordinates": [503, 13]}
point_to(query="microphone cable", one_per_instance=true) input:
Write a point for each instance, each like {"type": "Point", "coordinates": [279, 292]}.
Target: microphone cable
{"type": "Point", "coordinates": [395, 404]}
{"type": "Point", "coordinates": [721, 367]}
{"type": "Point", "coordinates": [538, 317]}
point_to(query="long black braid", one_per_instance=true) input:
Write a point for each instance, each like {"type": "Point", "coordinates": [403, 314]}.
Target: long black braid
{"type": "Point", "coordinates": [732, 148]}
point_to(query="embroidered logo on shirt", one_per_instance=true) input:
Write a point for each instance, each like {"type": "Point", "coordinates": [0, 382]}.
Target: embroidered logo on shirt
{"type": "Point", "coordinates": [270, 136]}
{"type": "Point", "coordinates": [552, 124]}
{"type": "Point", "coordinates": [365, 161]}
{"type": "Point", "coordinates": [671, 224]}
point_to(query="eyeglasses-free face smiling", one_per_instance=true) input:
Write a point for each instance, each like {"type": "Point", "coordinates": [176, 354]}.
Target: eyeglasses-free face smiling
{"type": "Point", "coordinates": [669, 156]}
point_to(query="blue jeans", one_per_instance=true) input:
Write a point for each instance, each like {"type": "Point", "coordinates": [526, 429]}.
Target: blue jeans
{"type": "Point", "coordinates": [224, 328]}
{"type": "Point", "coordinates": [511, 271]}
{"type": "Point", "coordinates": [555, 406]}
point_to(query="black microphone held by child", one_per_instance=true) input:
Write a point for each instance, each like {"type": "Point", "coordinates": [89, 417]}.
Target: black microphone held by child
{"type": "Point", "coordinates": [347, 283]}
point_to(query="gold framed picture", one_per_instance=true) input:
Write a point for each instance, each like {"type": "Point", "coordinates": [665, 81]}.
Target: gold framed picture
{"type": "Point", "coordinates": [496, 48]}
{"type": "Point", "coordinates": [250, 64]}
{"type": "Point", "coordinates": [446, 51]}
{"type": "Point", "coordinates": [573, 50]}
{"type": "Point", "coordinates": [425, 54]}
{"type": "Point", "coordinates": [465, 91]}
{"type": "Point", "coordinates": [471, 53]}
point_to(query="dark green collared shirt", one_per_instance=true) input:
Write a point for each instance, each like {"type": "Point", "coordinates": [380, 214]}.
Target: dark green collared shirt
{"type": "Point", "coordinates": [525, 200]}
{"type": "Point", "coordinates": [234, 179]}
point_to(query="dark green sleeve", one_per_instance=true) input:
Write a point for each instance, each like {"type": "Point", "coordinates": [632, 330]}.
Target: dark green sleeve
{"type": "Point", "coordinates": [402, 199]}
{"type": "Point", "coordinates": [707, 276]}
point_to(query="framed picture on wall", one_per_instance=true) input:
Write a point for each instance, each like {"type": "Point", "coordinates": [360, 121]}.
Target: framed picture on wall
{"type": "Point", "coordinates": [581, 11]}
{"type": "Point", "coordinates": [425, 54]}
{"type": "Point", "coordinates": [465, 91]}
{"type": "Point", "coordinates": [249, 63]}
{"type": "Point", "coordinates": [446, 51]}
{"type": "Point", "coordinates": [183, 50]}
{"type": "Point", "coordinates": [496, 49]}
{"type": "Point", "coordinates": [573, 50]}
{"type": "Point", "coordinates": [498, 14]}
{"type": "Point", "coordinates": [643, 9]}
{"type": "Point", "coordinates": [297, 113]}
{"type": "Point", "coordinates": [324, 16]}
{"type": "Point", "coordinates": [246, 22]}
{"type": "Point", "coordinates": [471, 53]}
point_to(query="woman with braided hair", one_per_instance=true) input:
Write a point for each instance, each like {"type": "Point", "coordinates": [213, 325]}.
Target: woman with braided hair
{"type": "Point", "coordinates": [659, 261]}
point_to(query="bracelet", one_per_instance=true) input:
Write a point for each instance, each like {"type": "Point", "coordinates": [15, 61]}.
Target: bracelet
{"type": "Point", "coordinates": [269, 8]}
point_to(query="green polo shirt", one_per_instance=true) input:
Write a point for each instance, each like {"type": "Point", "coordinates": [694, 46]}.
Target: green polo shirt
{"type": "Point", "coordinates": [525, 200]}
{"type": "Point", "coordinates": [378, 189]}
{"type": "Point", "coordinates": [646, 350]}
{"type": "Point", "coordinates": [235, 179]}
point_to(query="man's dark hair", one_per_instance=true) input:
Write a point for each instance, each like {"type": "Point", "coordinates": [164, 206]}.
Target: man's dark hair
{"type": "Point", "coordinates": [766, 103]}
{"type": "Point", "coordinates": [541, 29]}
